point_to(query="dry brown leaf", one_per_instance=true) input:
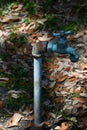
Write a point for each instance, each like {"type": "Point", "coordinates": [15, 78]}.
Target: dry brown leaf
{"type": "Point", "coordinates": [67, 68]}
{"type": "Point", "coordinates": [78, 105]}
{"type": "Point", "coordinates": [1, 127]}
{"type": "Point", "coordinates": [1, 105]}
{"type": "Point", "coordinates": [14, 6]}
{"type": "Point", "coordinates": [1, 27]}
{"type": "Point", "coordinates": [17, 8]}
{"type": "Point", "coordinates": [83, 66]}
{"type": "Point", "coordinates": [79, 89]}
{"type": "Point", "coordinates": [29, 125]}
{"type": "Point", "coordinates": [47, 123]}
{"type": "Point", "coordinates": [11, 19]}
{"type": "Point", "coordinates": [70, 84]}
{"type": "Point", "coordinates": [65, 89]}
{"type": "Point", "coordinates": [14, 120]}
{"type": "Point", "coordinates": [57, 128]}
{"type": "Point", "coordinates": [72, 78]}
{"type": "Point", "coordinates": [30, 118]}
{"type": "Point", "coordinates": [71, 37]}
{"type": "Point", "coordinates": [4, 79]}
{"type": "Point", "coordinates": [53, 66]}
{"type": "Point", "coordinates": [27, 109]}
{"type": "Point", "coordinates": [64, 126]}
{"type": "Point", "coordinates": [81, 100]}
{"type": "Point", "coordinates": [44, 38]}
{"type": "Point", "coordinates": [47, 66]}
{"type": "Point", "coordinates": [85, 54]}
{"type": "Point", "coordinates": [59, 100]}
{"type": "Point", "coordinates": [80, 111]}
{"type": "Point", "coordinates": [84, 121]}
{"type": "Point", "coordinates": [61, 77]}
{"type": "Point", "coordinates": [32, 25]}
{"type": "Point", "coordinates": [41, 21]}
{"type": "Point", "coordinates": [79, 34]}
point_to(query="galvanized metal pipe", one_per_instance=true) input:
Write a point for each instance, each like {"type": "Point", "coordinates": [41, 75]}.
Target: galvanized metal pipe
{"type": "Point", "coordinates": [37, 90]}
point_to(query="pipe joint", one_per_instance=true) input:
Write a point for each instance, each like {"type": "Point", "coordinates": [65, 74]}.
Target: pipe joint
{"type": "Point", "coordinates": [38, 49]}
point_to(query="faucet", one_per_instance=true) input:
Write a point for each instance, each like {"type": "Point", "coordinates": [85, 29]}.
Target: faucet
{"type": "Point", "coordinates": [60, 46]}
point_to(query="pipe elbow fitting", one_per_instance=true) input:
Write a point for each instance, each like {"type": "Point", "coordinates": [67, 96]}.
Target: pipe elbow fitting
{"type": "Point", "coordinates": [38, 49]}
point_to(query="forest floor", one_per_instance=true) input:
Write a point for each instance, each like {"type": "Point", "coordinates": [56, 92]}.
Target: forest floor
{"type": "Point", "coordinates": [64, 83]}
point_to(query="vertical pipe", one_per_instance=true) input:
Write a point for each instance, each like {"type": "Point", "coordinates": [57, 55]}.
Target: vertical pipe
{"type": "Point", "coordinates": [37, 90]}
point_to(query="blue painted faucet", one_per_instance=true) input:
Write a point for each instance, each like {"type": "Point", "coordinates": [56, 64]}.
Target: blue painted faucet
{"type": "Point", "coordinates": [61, 46]}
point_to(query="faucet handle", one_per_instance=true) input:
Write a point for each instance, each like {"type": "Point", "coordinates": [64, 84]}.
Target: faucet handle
{"type": "Point", "coordinates": [62, 33]}
{"type": "Point", "coordinates": [68, 32]}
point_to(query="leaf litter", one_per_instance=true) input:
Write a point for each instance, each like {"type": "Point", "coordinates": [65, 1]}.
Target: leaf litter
{"type": "Point", "coordinates": [66, 81]}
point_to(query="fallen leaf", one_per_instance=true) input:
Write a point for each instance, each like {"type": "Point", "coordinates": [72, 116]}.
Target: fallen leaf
{"type": "Point", "coordinates": [14, 6]}
{"type": "Point", "coordinates": [80, 111]}
{"type": "Point", "coordinates": [85, 54]}
{"type": "Point", "coordinates": [84, 121]}
{"type": "Point", "coordinates": [79, 89]}
{"type": "Point", "coordinates": [72, 78]}
{"type": "Point", "coordinates": [64, 126]}
{"type": "Point", "coordinates": [67, 68]}
{"type": "Point", "coordinates": [81, 100]}
{"type": "Point", "coordinates": [14, 120]}
{"type": "Point", "coordinates": [59, 100]}
{"type": "Point", "coordinates": [1, 105]}
{"type": "Point", "coordinates": [11, 19]}
{"type": "Point", "coordinates": [61, 77]}
{"type": "Point", "coordinates": [70, 84]}
{"type": "Point", "coordinates": [71, 37]}
{"type": "Point", "coordinates": [83, 95]}
{"type": "Point", "coordinates": [83, 66]}
{"type": "Point", "coordinates": [52, 84]}
{"type": "Point", "coordinates": [65, 89]}
{"type": "Point", "coordinates": [79, 34]}
{"type": "Point", "coordinates": [47, 123]}
{"type": "Point", "coordinates": [57, 128]}
{"type": "Point", "coordinates": [53, 66]}
{"type": "Point", "coordinates": [41, 21]}
{"type": "Point", "coordinates": [27, 109]}
{"type": "Point", "coordinates": [32, 25]}
{"type": "Point", "coordinates": [30, 118]}
{"type": "Point", "coordinates": [1, 127]}
{"type": "Point", "coordinates": [17, 7]}
{"type": "Point", "coordinates": [4, 79]}
{"type": "Point", "coordinates": [29, 125]}
{"type": "Point", "coordinates": [1, 27]}
{"type": "Point", "coordinates": [44, 38]}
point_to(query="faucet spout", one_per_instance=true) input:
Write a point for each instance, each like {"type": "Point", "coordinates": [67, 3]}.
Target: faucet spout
{"type": "Point", "coordinates": [73, 55]}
